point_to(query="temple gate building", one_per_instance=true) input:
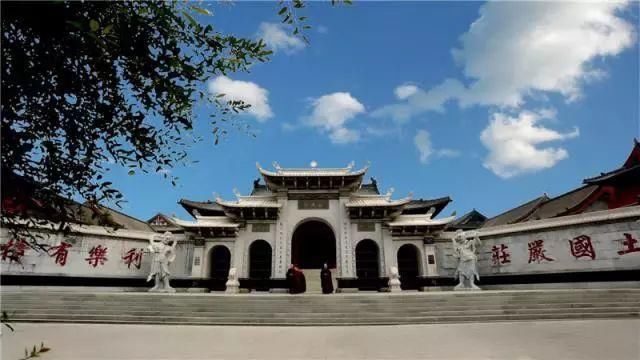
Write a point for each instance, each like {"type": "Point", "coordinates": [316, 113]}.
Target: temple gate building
{"type": "Point", "coordinates": [309, 217]}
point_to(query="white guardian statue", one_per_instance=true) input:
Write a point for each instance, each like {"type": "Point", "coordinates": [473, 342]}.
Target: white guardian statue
{"type": "Point", "coordinates": [163, 248]}
{"type": "Point", "coordinates": [465, 250]}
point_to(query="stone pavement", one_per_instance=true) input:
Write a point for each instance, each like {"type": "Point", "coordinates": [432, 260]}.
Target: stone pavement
{"type": "Point", "coordinates": [588, 339]}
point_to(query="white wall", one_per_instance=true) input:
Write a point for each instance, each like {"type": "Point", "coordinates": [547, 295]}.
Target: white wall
{"type": "Point", "coordinates": [606, 239]}
{"type": "Point", "coordinates": [117, 244]}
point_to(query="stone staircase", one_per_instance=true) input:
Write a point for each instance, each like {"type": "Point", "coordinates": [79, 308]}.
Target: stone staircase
{"type": "Point", "coordinates": [337, 309]}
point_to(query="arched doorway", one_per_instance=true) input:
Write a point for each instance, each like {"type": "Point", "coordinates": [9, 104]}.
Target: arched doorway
{"type": "Point", "coordinates": [260, 260]}
{"type": "Point", "coordinates": [408, 266]}
{"type": "Point", "coordinates": [220, 260]}
{"type": "Point", "coordinates": [367, 265]}
{"type": "Point", "coordinates": [313, 243]}
{"type": "Point", "coordinates": [367, 256]}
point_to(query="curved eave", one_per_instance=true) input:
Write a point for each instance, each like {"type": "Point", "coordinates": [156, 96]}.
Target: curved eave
{"type": "Point", "coordinates": [391, 204]}
{"type": "Point", "coordinates": [291, 173]}
{"type": "Point", "coordinates": [247, 205]}
{"type": "Point", "coordinates": [422, 221]}
{"type": "Point", "coordinates": [206, 222]}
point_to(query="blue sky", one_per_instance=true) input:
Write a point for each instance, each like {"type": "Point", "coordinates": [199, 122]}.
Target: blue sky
{"type": "Point", "coordinates": [535, 98]}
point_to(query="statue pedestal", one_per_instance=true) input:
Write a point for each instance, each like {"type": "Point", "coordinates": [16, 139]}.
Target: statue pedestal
{"type": "Point", "coordinates": [233, 287]}
{"type": "Point", "coordinates": [394, 286]}
{"type": "Point", "coordinates": [466, 289]}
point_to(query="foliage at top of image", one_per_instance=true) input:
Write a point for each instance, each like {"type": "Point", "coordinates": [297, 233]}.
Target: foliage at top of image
{"type": "Point", "coordinates": [88, 86]}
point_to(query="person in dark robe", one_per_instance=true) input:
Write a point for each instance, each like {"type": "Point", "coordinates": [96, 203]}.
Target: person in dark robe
{"type": "Point", "coordinates": [301, 280]}
{"type": "Point", "coordinates": [325, 280]}
{"type": "Point", "coordinates": [291, 279]}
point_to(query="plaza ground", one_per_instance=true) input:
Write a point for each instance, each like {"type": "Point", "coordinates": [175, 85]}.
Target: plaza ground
{"type": "Point", "coordinates": [583, 339]}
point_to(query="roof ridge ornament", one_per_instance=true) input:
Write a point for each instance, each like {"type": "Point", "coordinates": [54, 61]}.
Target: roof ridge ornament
{"type": "Point", "coordinates": [237, 193]}
{"type": "Point", "coordinates": [351, 165]}
{"type": "Point", "coordinates": [389, 193]}
{"type": "Point", "coordinates": [276, 166]}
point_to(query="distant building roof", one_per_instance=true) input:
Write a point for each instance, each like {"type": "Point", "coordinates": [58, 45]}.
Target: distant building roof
{"type": "Point", "coordinates": [422, 206]}
{"type": "Point", "coordinates": [516, 214]}
{"type": "Point", "coordinates": [204, 208]}
{"type": "Point", "coordinates": [469, 221]}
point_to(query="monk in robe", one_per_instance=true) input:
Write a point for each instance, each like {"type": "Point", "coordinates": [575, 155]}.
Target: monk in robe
{"type": "Point", "coordinates": [291, 279]}
{"type": "Point", "coordinates": [325, 279]}
{"type": "Point", "coordinates": [301, 281]}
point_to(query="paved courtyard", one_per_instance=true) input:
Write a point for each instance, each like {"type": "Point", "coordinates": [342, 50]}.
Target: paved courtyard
{"type": "Point", "coordinates": [593, 339]}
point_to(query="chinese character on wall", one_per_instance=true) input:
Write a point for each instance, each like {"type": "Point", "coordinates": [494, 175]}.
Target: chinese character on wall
{"type": "Point", "coordinates": [500, 255]}
{"type": "Point", "coordinates": [133, 256]}
{"type": "Point", "coordinates": [629, 245]}
{"type": "Point", "coordinates": [537, 252]}
{"type": "Point", "coordinates": [60, 252]}
{"type": "Point", "coordinates": [581, 246]}
{"type": "Point", "coordinates": [97, 255]}
{"type": "Point", "coordinates": [13, 250]}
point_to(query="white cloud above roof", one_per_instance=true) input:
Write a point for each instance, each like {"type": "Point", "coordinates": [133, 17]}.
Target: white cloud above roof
{"type": "Point", "coordinates": [515, 143]}
{"type": "Point", "coordinates": [422, 142]}
{"type": "Point", "coordinates": [330, 114]}
{"type": "Point", "coordinates": [246, 91]}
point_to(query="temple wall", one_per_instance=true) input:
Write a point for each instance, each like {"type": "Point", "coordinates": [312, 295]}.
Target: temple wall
{"type": "Point", "coordinates": [78, 260]}
{"type": "Point", "coordinates": [598, 245]}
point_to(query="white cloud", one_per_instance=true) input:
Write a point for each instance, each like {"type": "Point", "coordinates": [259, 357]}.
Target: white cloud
{"type": "Point", "coordinates": [517, 49]}
{"type": "Point", "coordinates": [404, 91]}
{"type": "Point", "coordinates": [422, 141]}
{"type": "Point", "coordinates": [246, 91]}
{"type": "Point", "coordinates": [514, 143]}
{"type": "Point", "coordinates": [277, 38]}
{"type": "Point", "coordinates": [330, 114]}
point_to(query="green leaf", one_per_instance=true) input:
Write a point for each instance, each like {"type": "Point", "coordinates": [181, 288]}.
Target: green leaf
{"type": "Point", "coordinates": [201, 10]}
{"type": "Point", "coordinates": [282, 11]}
{"type": "Point", "coordinates": [192, 21]}
{"type": "Point", "coordinates": [131, 172]}
{"type": "Point", "coordinates": [107, 29]}
{"type": "Point", "coordinates": [94, 25]}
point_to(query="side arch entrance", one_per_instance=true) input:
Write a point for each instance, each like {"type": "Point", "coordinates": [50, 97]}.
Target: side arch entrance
{"type": "Point", "coordinates": [368, 265]}
{"type": "Point", "coordinates": [313, 243]}
{"type": "Point", "coordinates": [220, 260]}
{"type": "Point", "coordinates": [409, 266]}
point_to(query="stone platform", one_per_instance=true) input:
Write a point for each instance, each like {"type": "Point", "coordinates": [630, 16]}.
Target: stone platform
{"type": "Point", "coordinates": [315, 310]}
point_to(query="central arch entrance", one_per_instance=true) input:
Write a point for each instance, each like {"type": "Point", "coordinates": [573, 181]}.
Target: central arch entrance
{"type": "Point", "coordinates": [313, 243]}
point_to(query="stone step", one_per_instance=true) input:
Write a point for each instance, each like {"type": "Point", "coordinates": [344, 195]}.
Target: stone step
{"type": "Point", "coordinates": [340, 309]}
{"type": "Point", "coordinates": [302, 303]}
{"type": "Point", "coordinates": [168, 312]}
{"type": "Point", "coordinates": [328, 322]}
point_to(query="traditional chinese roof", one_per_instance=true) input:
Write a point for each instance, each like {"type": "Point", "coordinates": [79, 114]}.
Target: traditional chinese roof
{"type": "Point", "coordinates": [629, 170]}
{"type": "Point", "coordinates": [161, 223]}
{"type": "Point", "coordinates": [562, 204]}
{"type": "Point", "coordinates": [419, 220]}
{"type": "Point", "coordinates": [517, 214]}
{"type": "Point", "coordinates": [369, 189]}
{"type": "Point", "coordinates": [375, 201]}
{"type": "Point", "coordinates": [207, 222]}
{"type": "Point", "coordinates": [204, 208]}
{"type": "Point", "coordinates": [423, 206]}
{"type": "Point", "coordinates": [250, 202]}
{"type": "Point", "coordinates": [469, 221]}
{"type": "Point", "coordinates": [312, 177]}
